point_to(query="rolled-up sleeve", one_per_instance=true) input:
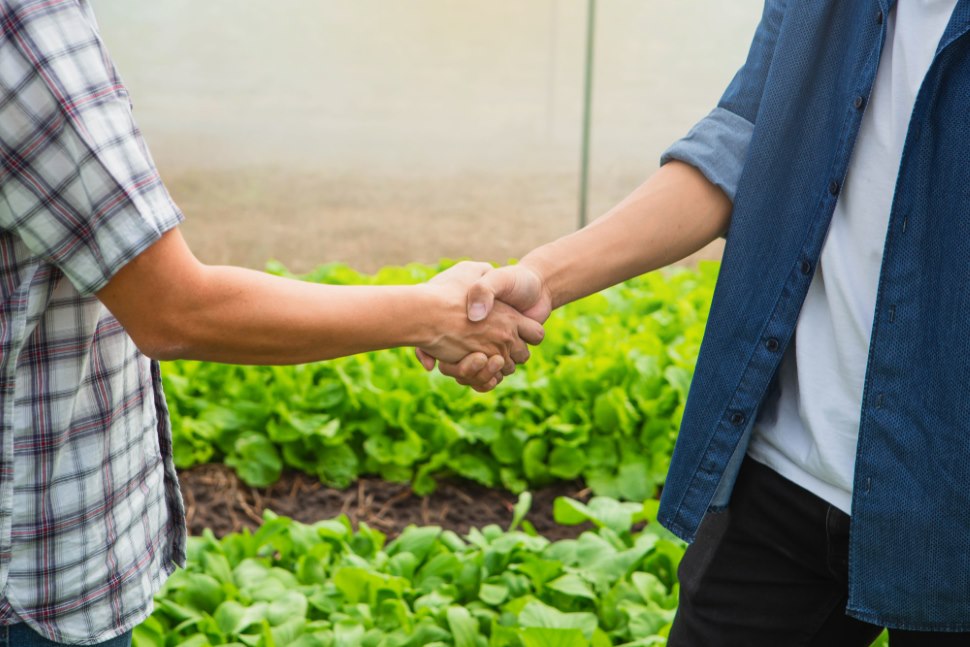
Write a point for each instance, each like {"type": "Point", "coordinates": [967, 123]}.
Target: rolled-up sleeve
{"type": "Point", "coordinates": [718, 144]}
{"type": "Point", "coordinates": [77, 183]}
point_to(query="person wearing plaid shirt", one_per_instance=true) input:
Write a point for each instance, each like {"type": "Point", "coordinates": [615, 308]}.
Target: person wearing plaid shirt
{"type": "Point", "coordinates": [95, 279]}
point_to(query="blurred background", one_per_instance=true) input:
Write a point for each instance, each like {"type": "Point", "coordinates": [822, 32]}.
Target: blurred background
{"type": "Point", "coordinates": [378, 132]}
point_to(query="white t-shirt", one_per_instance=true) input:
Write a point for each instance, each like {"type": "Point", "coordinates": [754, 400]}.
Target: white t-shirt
{"type": "Point", "coordinates": [809, 434]}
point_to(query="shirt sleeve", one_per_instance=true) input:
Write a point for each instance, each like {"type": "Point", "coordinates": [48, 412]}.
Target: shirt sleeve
{"type": "Point", "coordinates": [77, 183]}
{"type": "Point", "coordinates": [718, 144]}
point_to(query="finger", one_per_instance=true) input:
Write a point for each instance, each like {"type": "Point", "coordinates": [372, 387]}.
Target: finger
{"type": "Point", "coordinates": [484, 380]}
{"type": "Point", "coordinates": [488, 373]}
{"type": "Point", "coordinates": [518, 351]}
{"type": "Point", "coordinates": [495, 364]}
{"type": "Point", "coordinates": [520, 354]}
{"type": "Point", "coordinates": [458, 378]}
{"type": "Point", "coordinates": [503, 364]}
{"type": "Point", "coordinates": [469, 270]}
{"type": "Point", "coordinates": [491, 374]}
{"type": "Point", "coordinates": [509, 367]}
{"type": "Point", "coordinates": [531, 331]}
{"type": "Point", "coordinates": [450, 370]}
{"type": "Point", "coordinates": [467, 369]}
{"type": "Point", "coordinates": [491, 384]}
{"type": "Point", "coordinates": [427, 361]}
{"type": "Point", "coordinates": [475, 267]}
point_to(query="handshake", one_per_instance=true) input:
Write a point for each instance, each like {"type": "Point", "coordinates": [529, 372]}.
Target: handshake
{"type": "Point", "coordinates": [490, 315]}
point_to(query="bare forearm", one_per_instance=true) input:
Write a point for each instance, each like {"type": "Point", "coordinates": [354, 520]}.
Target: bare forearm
{"type": "Point", "coordinates": [247, 317]}
{"type": "Point", "coordinates": [671, 215]}
{"type": "Point", "coordinates": [174, 307]}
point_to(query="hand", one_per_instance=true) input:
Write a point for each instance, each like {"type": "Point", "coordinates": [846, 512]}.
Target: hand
{"type": "Point", "coordinates": [489, 345]}
{"type": "Point", "coordinates": [518, 286]}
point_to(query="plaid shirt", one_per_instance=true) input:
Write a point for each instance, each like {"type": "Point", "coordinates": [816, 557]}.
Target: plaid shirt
{"type": "Point", "coordinates": [91, 519]}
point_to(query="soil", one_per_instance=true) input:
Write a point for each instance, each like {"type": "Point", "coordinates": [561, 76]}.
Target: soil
{"type": "Point", "coordinates": [215, 498]}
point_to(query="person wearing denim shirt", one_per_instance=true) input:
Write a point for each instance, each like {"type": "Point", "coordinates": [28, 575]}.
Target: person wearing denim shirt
{"type": "Point", "coordinates": [776, 560]}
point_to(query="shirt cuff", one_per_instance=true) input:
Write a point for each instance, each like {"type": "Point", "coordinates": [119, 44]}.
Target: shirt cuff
{"type": "Point", "coordinates": [134, 225]}
{"type": "Point", "coordinates": [716, 146]}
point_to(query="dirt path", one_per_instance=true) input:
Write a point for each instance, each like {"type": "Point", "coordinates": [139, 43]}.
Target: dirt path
{"type": "Point", "coordinates": [305, 219]}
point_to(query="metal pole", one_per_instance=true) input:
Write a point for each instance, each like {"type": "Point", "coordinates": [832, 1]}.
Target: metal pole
{"type": "Point", "coordinates": [587, 111]}
{"type": "Point", "coordinates": [551, 67]}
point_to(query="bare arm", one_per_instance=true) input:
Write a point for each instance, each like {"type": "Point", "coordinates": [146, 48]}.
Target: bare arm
{"type": "Point", "coordinates": [173, 306]}
{"type": "Point", "coordinates": [670, 216]}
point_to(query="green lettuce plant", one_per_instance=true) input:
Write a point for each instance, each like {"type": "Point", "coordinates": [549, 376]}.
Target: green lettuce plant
{"type": "Point", "coordinates": [324, 585]}
{"type": "Point", "coordinates": [601, 399]}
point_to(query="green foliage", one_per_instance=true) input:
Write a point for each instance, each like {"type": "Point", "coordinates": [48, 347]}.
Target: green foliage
{"type": "Point", "coordinates": [601, 399]}
{"type": "Point", "coordinates": [327, 586]}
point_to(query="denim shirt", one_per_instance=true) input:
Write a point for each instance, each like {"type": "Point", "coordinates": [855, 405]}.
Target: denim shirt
{"type": "Point", "coordinates": [779, 144]}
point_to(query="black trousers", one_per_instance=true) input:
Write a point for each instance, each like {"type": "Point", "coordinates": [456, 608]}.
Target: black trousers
{"type": "Point", "coordinates": [772, 571]}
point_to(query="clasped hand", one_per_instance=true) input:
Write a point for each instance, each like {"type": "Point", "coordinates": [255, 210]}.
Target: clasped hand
{"type": "Point", "coordinates": [501, 311]}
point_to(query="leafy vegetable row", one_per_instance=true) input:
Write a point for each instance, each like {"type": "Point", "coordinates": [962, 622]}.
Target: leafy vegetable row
{"type": "Point", "coordinates": [327, 586]}
{"type": "Point", "coordinates": [601, 399]}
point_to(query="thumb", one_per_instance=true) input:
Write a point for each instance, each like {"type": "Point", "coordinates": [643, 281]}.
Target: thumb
{"type": "Point", "coordinates": [482, 293]}
{"type": "Point", "coordinates": [515, 285]}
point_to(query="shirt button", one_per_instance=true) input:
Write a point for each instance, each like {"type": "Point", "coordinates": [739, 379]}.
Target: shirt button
{"type": "Point", "coordinates": [772, 344]}
{"type": "Point", "coordinates": [879, 17]}
{"type": "Point", "coordinates": [858, 102]}
{"type": "Point", "coordinates": [737, 419]}
{"type": "Point", "coordinates": [806, 267]}
{"type": "Point", "coordinates": [834, 187]}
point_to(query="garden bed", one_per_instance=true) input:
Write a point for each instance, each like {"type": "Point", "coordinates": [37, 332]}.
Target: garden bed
{"type": "Point", "coordinates": [217, 499]}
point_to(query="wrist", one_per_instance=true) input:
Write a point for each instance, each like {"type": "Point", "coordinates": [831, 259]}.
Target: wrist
{"type": "Point", "coordinates": [434, 314]}
{"type": "Point", "coordinates": [542, 265]}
